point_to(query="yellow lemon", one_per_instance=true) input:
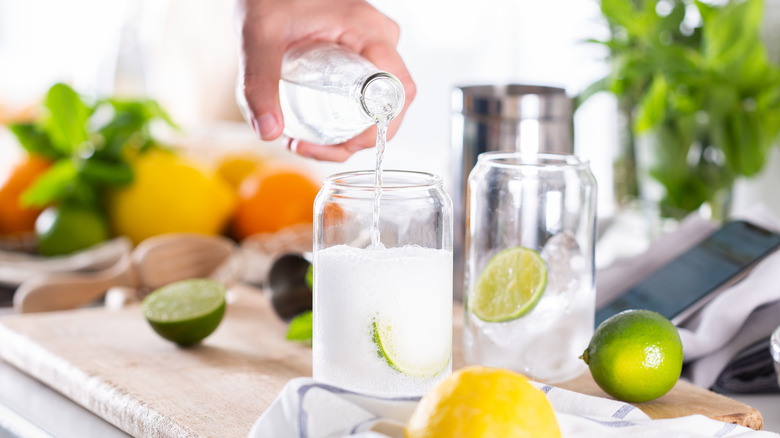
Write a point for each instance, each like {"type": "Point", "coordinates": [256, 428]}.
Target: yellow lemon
{"type": "Point", "coordinates": [477, 402]}
{"type": "Point", "coordinates": [235, 167]}
{"type": "Point", "coordinates": [170, 194]}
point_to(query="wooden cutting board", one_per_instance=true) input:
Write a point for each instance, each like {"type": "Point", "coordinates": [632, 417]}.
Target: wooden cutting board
{"type": "Point", "coordinates": [112, 363]}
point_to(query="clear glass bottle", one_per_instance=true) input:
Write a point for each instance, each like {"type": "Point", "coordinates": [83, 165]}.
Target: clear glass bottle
{"type": "Point", "coordinates": [545, 203]}
{"type": "Point", "coordinates": [329, 94]}
{"type": "Point", "coordinates": [383, 313]}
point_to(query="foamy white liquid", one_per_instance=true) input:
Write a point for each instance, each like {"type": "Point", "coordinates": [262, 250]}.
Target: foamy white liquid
{"type": "Point", "coordinates": [409, 286]}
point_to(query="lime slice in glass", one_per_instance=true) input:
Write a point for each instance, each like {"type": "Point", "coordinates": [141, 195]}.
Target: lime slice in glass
{"type": "Point", "coordinates": [187, 311]}
{"type": "Point", "coordinates": [510, 285]}
{"type": "Point", "coordinates": [418, 356]}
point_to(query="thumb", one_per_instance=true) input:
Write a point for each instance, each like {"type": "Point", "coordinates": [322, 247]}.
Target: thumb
{"type": "Point", "coordinates": [257, 91]}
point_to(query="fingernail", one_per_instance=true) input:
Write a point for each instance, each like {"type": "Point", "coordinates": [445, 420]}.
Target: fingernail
{"type": "Point", "coordinates": [266, 125]}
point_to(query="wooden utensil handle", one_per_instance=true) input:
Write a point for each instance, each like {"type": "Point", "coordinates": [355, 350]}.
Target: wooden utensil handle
{"type": "Point", "coordinates": [69, 291]}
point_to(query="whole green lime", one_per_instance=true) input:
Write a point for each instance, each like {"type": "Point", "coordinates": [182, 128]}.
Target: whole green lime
{"type": "Point", "coordinates": [187, 311]}
{"type": "Point", "coordinates": [635, 356]}
{"type": "Point", "coordinates": [62, 230]}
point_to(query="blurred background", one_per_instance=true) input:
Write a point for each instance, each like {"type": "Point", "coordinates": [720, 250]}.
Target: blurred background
{"type": "Point", "coordinates": [184, 55]}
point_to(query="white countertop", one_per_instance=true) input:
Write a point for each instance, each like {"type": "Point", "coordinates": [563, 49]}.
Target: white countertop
{"type": "Point", "coordinates": [28, 408]}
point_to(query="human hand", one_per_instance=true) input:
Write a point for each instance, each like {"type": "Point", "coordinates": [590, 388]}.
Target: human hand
{"type": "Point", "coordinates": [270, 27]}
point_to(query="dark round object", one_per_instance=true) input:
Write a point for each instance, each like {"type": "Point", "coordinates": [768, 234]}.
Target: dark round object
{"type": "Point", "coordinates": [290, 295]}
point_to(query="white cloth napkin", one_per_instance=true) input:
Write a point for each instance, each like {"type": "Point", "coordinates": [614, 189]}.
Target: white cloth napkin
{"type": "Point", "coordinates": [308, 409]}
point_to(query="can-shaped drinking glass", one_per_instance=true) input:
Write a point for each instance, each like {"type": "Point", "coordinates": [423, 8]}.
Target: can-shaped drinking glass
{"type": "Point", "coordinates": [382, 282]}
{"type": "Point", "coordinates": [530, 293]}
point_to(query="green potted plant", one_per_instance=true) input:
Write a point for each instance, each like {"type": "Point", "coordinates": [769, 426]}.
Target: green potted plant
{"type": "Point", "coordinates": [699, 97]}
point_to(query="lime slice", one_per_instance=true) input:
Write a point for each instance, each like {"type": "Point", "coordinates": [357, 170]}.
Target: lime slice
{"type": "Point", "coordinates": [418, 356]}
{"type": "Point", "coordinates": [187, 311]}
{"type": "Point", "coordinates": [510, 285]}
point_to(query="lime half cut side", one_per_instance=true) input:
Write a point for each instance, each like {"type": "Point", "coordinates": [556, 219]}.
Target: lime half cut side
{"type": "Point", "coordinates": [187, 311]}
{"type": "Point", "coordinates": [409, 354]}
{"type": "Point", "coordinates": [510, 285]}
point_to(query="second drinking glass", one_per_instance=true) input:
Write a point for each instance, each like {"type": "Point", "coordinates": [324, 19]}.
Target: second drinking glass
{"type": "Point", "coordinates": [529, 286]}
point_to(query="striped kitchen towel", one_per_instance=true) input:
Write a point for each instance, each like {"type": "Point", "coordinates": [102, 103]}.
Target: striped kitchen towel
{"type": "Point", "coordinates": [308, 409]}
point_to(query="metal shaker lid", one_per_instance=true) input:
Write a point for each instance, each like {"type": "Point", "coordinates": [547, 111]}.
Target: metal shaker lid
{"type": "Point", "coordinates": [512, 102]}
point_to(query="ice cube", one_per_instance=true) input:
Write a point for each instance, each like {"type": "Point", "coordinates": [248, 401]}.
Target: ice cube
{"type": "Point", "coordinates": [565, 264]}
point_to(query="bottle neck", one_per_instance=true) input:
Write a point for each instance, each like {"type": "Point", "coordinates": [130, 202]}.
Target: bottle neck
{"type": "Point", "coordinates": [382, 96]}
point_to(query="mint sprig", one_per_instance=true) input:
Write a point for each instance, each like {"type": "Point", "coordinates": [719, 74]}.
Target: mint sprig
{"type": "Point", "coordinates": [90, 142]}
{"type": "Point", "coordinates": [300, 328]}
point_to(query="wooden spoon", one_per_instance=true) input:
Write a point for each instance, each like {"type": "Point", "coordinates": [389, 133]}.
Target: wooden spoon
{"type": "Point", "coordinates": [154, 263]}
{"type": "Point", "coordinates": [167, 258]}
{"type": "Point", "coordinates": [69, 291]}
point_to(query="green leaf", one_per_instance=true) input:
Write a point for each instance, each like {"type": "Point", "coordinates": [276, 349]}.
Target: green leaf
{"type": "Point", "coordinates": [51, 185]}
{"type": "Point", "coordinates": [731, 32]}
{"type": "Point", "coordinates": [746, 151]}
{"type": "Point", "coordinates": [82, 193]}
{"type": "Point", "coordinates": [653, 105]}
{"type": "Point", "coordinates": [130, 125]}
{"type": "Point", "coordinates": [622, 13]}
{"type": "Point", "coordinates": [721, 100]}
{"type": "Point", "coordinates": [144, 110]}
{"type": "Point", "coordinates": [596, 87]}
{"type": "Point", "coordinates": [67, 120]}
{"type": "Point", "coordinates": [101, 171]}
{"type": "Point", "coordinates": [34, 140]}
{"type": "Point", "coordinates": [310, 277]}
{"type": "Point", "coordinates": [301, 327]}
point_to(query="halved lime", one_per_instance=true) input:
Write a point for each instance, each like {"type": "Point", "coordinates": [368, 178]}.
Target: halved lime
{"type": "Point", "coordinates": [510, 285]}
{"type": "Point", "coordinates": [187, 311]}
{"type": "Point", "coordinates": [412, 355]}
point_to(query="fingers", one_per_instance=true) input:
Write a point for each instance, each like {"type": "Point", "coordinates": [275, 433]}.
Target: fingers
{"type": "Point", "coordinates": [259, 79]}
{"type": "Point", "coordinates": [338, 153]}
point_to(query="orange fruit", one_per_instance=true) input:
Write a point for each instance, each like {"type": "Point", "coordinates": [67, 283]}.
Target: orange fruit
{"type": "Point", "coordinates": [273, 198]}
{"type": "Point", "coordinates": [15, 218]}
